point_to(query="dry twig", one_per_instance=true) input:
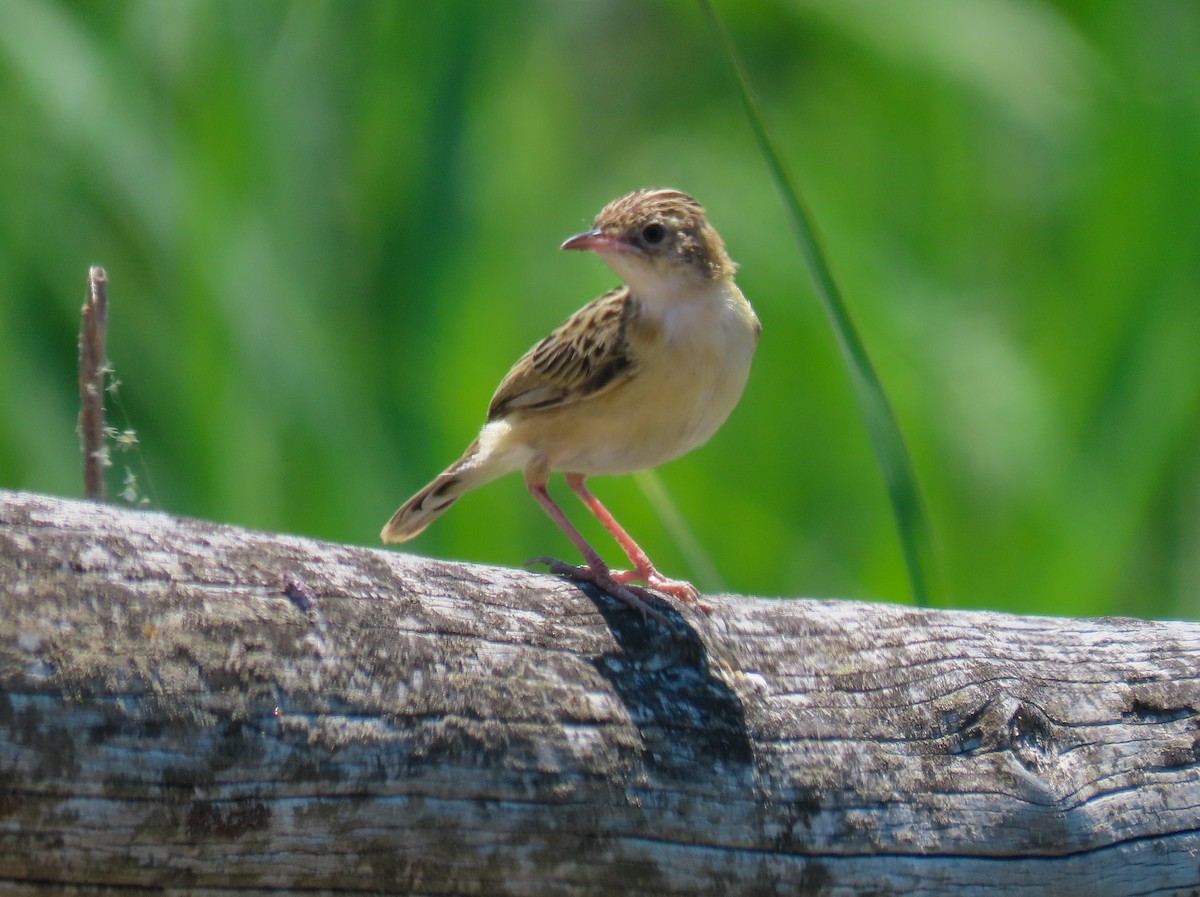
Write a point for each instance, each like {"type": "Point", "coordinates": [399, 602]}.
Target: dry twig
{"type": "Point", "coordinates": [92, 367]}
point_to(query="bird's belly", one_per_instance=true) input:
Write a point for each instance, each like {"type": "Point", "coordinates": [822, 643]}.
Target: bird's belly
{"type": "Point", "coordinates": [669, 408]}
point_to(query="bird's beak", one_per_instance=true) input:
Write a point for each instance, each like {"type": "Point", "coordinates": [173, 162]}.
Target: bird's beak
{"type": "Point", "coordinates": [596, 239]}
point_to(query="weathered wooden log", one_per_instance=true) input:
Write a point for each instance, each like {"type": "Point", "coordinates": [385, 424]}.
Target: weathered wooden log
{"type": "Point", "coordinates": [206, 710]}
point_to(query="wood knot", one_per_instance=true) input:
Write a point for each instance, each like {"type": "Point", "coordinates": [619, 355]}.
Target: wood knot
{"type": "Point", "coordinates": [1030, 736]}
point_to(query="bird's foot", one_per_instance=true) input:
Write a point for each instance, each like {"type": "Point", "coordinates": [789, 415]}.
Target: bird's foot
{"type": "Point", "coordinates": [679, 588]}
{"type": "Point", "coordinates": [605, 580]}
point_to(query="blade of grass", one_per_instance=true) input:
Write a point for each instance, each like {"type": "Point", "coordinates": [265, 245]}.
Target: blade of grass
{"type": "Point", "coordinates": [882, 427]}
{"type": "Point", "coordinates": [685, 540]}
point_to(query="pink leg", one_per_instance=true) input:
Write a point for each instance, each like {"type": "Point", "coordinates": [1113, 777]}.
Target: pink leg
{"type": "Point", "coordinates": [596, 571]}
{"type": "Point", "coordinates": [644, 571]}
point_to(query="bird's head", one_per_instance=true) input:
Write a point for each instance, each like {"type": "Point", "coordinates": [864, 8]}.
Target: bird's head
{"type": "Point", "coordinates": [656, 234]}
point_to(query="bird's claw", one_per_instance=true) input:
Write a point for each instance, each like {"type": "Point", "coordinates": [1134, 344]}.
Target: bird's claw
{"type": "Point", "coordinates": [633, 596]}
{"type": "Point", "coordinates": [677, 588]}
{"type": "Point", "coordinates": [561, 568]}
{"type": "Point", "coordinates": [680, 588]}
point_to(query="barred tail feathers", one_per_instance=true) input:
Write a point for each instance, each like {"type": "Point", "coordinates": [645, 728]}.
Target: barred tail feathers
{"type": "Point", "coordinates": [475, 468]}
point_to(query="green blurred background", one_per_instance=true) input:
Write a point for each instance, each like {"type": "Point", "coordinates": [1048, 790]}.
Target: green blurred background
{"type": "Point", "coordinates": [331, 227]}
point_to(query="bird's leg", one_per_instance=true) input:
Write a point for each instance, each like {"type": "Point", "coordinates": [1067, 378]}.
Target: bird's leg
{"type": "Point", "coordinates": [596, 571]}
{"type": "Point", "coordinates": [644, 570]}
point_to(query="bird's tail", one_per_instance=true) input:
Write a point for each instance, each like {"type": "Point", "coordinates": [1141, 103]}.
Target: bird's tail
{"type": "Point", "coordinates": [468, 472]}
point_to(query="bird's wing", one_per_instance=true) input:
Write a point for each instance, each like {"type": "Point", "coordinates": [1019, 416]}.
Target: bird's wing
{"type": "Point", "coordinates": [587, 354]}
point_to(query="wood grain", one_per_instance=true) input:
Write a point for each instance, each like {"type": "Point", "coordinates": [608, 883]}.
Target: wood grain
{"type": "Point", "coordinates": [200, 709]}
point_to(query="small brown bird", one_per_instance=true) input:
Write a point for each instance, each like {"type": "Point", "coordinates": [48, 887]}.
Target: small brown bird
{"type": "Point", "coordinates": [640, 376]}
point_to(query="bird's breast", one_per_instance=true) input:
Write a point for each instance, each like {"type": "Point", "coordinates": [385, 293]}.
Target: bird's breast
{"type": "Point", "coordinates": [692, 362]}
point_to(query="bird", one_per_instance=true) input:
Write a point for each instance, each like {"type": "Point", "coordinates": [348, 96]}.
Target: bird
{"type": "Point", "coordinates": [648, 371]}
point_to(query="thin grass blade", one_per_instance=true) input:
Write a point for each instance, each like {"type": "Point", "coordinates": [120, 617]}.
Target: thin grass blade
{"type": "Point", "coordinates": [676, 525]}
{"type": "Point", "coordinates": [886, 438]}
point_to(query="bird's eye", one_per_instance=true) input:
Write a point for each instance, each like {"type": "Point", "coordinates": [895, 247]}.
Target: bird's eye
{"type": "Point", "coordinates": [654, 233]}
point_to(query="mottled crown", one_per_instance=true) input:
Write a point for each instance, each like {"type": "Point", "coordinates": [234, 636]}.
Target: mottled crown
{"type": "Point", "coordinates": [686, 234]}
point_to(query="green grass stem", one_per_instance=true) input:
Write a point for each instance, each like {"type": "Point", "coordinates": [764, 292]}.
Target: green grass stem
{"type": "Point", "coordinates": [882, 426]}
